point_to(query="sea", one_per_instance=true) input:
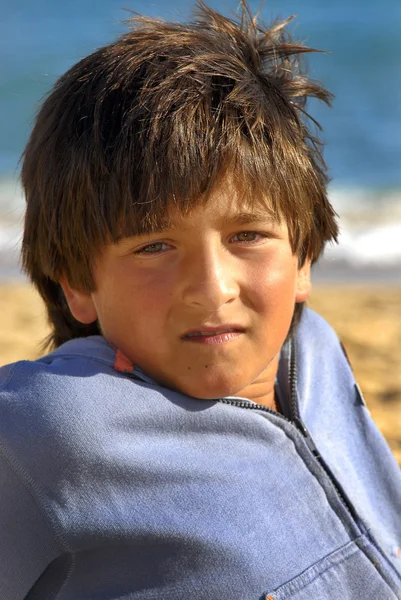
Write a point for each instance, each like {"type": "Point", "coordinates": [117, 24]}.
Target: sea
{"type": "Point", "coordinates": [361, 65]}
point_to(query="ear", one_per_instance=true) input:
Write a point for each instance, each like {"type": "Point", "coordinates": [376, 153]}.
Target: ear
{"type": "Point", "coordinates": [304, 285]}
{"type": "Point", "coordinates": [80, 303]}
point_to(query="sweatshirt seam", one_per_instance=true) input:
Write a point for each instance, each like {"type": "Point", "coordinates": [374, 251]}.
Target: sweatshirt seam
{"type": "Point", "coordinates": [338, 516]}
{"type": "Point", "coordinates": [51, 521]}
{"type": "Point", "coordinates": [72, 355]}
{"type": "Point", "coordinates": [291, 588]}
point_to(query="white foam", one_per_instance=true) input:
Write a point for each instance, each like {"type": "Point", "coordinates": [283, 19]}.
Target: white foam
{"type": "Point", "coordinates": [357, 206]}
{"type": "Point", "coordinates": [12, 204]}
{"type": "Point", "coordinates": [10, 237]}
{"type": "Point", "coordinates": [374, 246]}
{"type": "Point", "coordinates": [10, 246]}
{"type": "Point", "coordinates": [370, 227]}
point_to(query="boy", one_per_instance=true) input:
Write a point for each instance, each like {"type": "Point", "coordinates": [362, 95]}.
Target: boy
{"type": "Point", "coordinates": [191, 435]}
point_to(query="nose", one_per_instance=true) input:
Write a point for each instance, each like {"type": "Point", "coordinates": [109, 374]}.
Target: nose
{"type": "Point", "coordinates": [210, 278]}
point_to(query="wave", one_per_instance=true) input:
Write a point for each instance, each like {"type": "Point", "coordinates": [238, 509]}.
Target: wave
{"type": "Point", "coordinates": [370, 231]}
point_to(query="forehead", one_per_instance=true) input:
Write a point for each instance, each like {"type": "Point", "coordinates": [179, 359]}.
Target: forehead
{"type": "Point", "coordinates": [221, 206]}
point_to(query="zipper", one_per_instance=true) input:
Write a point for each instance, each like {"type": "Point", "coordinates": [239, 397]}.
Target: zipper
{"type": "Point", "coordinates": [297, 422]}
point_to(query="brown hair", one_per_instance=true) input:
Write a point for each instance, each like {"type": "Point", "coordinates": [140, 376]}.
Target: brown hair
{"type": "Point", "coordinates": [159, 116]}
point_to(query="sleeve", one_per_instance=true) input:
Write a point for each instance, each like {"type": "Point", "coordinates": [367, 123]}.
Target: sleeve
{"type": "Point", "coordinates": [27, 543]}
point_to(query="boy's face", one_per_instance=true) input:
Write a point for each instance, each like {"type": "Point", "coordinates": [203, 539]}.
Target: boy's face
{"type": "Point", "coordinates": [203, 306]}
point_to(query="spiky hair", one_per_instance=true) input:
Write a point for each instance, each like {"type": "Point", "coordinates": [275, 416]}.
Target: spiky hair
{"type": "Point", "coordinates": [160, 116]}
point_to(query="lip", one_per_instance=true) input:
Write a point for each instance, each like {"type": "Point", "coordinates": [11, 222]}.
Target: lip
{"type": "Point", "coordinates": [210, 330]}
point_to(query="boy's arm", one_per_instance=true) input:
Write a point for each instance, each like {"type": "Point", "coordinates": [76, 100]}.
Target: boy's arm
{"type": "Point", "coordinates": [27, 544]}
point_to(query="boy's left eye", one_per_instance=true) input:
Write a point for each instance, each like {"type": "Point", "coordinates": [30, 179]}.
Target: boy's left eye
{"type": "Point", "coordinates": [247, 236]}
{"type": "Point", "coordinates": [154, 248]}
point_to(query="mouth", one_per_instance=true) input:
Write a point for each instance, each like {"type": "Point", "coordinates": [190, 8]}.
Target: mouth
{"type": "Point", "coordinates": [213, 335]}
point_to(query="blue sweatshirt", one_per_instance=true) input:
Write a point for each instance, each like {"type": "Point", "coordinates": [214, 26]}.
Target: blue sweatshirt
{"type": "Point", "coordinates": [113, 487]}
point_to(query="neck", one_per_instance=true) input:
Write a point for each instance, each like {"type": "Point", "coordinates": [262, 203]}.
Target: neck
{"type": "Point", "coordinates": [262, 389]}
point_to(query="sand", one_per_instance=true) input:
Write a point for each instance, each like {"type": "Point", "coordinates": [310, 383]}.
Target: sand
{"type": "Point", "coordinates": [367, 319]}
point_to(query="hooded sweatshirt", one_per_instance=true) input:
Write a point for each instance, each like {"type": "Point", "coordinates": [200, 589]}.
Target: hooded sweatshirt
{"type": "Point", "coordinates": [114, 487]}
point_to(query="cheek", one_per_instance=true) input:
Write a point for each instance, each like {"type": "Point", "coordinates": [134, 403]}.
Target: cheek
{"type": "Point", "coordinates": [274, 283]}
{"type": "Point", "coordinates": [151, 294]}
{"type": "Point", "coordinates": [125, 296]}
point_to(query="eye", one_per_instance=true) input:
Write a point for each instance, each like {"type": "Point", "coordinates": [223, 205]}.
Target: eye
{"type": "Point", "coordinates": [154, 248]}
{"type": "Point", "coordinates": [247, 236]}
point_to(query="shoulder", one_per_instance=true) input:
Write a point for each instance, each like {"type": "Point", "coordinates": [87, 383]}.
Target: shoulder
{"type": "Point", "coordinates": [37, 381]}
{"type": "Point", "coordinates": [56, 412]}
{"type": "Point", "coordinates": [313, 328]}
{"type": "Point", "coordinates": [319, 349]}
{"type": "Point", "coordinates": [52, 402]}
{"type": "Point", "coordinates": [66, 388]}
{"type": "Point", "coordinates": [71, 398]}
{"type": "Point", "coordinates": [82, 357]}
{"type": "Point", "coordinates": [324, 378]}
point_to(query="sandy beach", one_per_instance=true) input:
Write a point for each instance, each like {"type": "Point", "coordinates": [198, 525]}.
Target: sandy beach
{"type": "Point", "coordinates": [367, 319]}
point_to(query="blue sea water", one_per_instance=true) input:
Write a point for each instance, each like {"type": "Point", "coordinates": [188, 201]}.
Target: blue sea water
{"type": "Point", "coordinates": [362, 67]}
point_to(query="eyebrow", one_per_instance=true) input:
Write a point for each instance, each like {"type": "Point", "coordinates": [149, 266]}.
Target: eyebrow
{"type": "Point", "coordinates": [141, 228]}
{"type": "Point", "coordinates": [240, 218]}
{"type": "Point", "coordinates": [243, 218]}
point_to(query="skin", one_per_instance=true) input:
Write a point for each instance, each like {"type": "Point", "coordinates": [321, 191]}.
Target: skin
{"type": "Point", "coordinates": [218, 266]}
